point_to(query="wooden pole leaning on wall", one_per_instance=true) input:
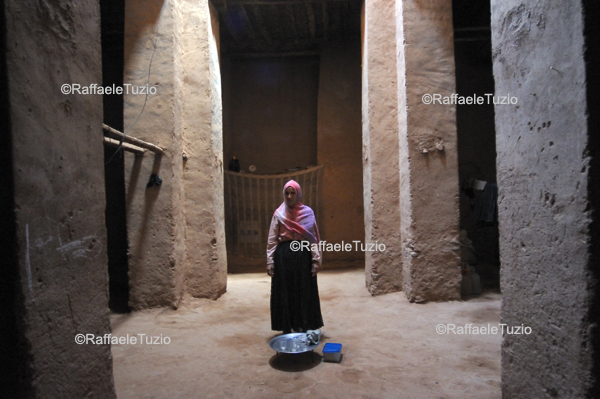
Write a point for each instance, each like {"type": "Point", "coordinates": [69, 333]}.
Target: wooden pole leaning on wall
{"type": "Point", "coordinates": [132, 140]}
{"type": "Point", "coordinates": [124, 146]}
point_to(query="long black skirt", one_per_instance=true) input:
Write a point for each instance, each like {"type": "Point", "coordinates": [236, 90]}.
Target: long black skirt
{"type": "Point", "coordinates": [294, 292]}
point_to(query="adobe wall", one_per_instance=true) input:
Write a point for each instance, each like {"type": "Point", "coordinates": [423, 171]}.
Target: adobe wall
{"type": "Point", "coordinates": [176, 233]}
{"type": "Point", "coordinates": [154, 219]}
{"type": "Point", "coordinates": [428, 152]}
{"type": "Point", "coordinates": [271, 107]}
{"type": "Point", "coordinates": [59, 197]}
{"type": "Point", "coordinates": [339, 148]}
{"type": "Point", "coordinates": [383, 269]}
{"type": "Point", "coordinates": [199, 122]}
{"type": "Point", "coordinates": [543, 168]}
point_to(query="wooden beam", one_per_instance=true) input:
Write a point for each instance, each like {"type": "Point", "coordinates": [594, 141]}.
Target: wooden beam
{"type": "Point", "coordinates": [280, 2]}
{"type": "Point", "coordinates": [355, 10]}
{"type": "Point", "coordinates": [275, 24]}
{"type": "Point", "coordinates": [132, 140]}
{"type": "Point", "coordinates": [244, 17]}
{"type": "Point", "coordinates": [290, 12]}
{"type": "Point", "coordinates": [472, 39]}
{"type": "Point", "coordinates": [325, 18]}
{"type": "Point", "coordinates": [473, 29]}
{"type": "Point", "coordinates": [335, 25]}
{"type": "Point", "coordinates": [220, 5]}
{"type": "Point", "coordinates": [311, 20]}
{"type": "Point", "coordinates": [346, 23]}
{"type": "Point", "coordinates": [124, 146]}
{"type": "Point", "coordinates": [260, 24]}
{"type": "Point", "coordinates": [272, 55]}
{"type": "Point", "coordinates": [228, 16]}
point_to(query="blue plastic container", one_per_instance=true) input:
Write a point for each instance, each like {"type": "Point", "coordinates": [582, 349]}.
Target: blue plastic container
{"type": "Point", "coordinates": [332, 352]}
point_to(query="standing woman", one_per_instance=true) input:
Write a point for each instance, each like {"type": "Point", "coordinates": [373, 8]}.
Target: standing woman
{"type": "Point", "coordinates": [295, 304]}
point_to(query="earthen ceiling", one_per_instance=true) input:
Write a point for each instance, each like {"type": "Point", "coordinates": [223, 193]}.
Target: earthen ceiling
{"type": "Point", "coordinates": [284, 26]}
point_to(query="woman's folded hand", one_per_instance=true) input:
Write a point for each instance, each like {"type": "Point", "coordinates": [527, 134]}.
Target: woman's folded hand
{"type": "Point", "coordinates": [315, 269]}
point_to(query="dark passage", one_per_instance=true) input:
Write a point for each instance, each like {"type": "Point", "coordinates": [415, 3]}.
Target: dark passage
{"type": "Point", "coordinates": [592, 58]}
{"type": "Point", "coordinates": [113, 28]}
{"type": "Point", "coordinates": [15, 375]}
{"type": "Point", "coordinates": [476, 140]}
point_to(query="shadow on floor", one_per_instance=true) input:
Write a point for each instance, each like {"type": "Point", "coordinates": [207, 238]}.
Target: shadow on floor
{"type": "Point", "coordinates": [295, 362]}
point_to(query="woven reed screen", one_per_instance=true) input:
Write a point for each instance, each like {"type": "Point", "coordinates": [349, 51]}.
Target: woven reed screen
{"type": "Point", "coordinates": [250, 201]}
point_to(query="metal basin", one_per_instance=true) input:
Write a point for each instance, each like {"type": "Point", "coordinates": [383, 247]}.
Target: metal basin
{"type": "Point", "coordinates": [290, 343]}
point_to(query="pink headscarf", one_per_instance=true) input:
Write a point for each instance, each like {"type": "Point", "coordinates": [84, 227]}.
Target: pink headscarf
{"type": "Point", "coordinates": [298, 218]}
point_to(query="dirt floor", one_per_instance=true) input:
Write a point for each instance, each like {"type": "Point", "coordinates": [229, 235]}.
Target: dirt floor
{"type": "Point", "coordinates": [219, 349]}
